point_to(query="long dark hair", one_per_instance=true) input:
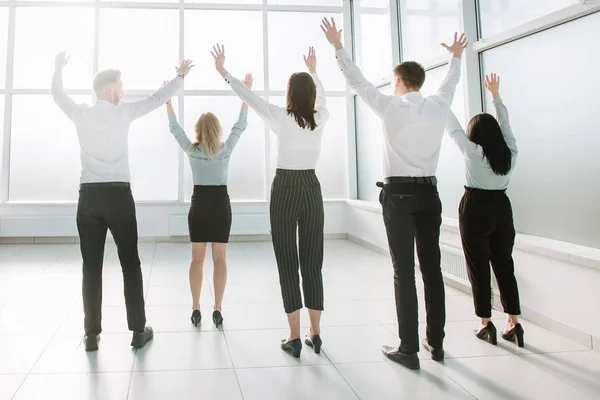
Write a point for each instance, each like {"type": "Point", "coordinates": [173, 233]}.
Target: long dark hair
{"type": "Point", "coordinates": [301, 97]}
{"type": "Point", "coordinates": [485, 131]}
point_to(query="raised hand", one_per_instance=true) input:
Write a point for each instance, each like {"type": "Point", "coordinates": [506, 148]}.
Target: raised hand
{"type": "Point", "coordinates": [218, 53]}
{"type": "Point", "coordinates": [248, 80]}
{"type": "Point", "coordinates": [492, 83]}
{"type": "Point", "coordinates": [311, 60]}
{"type": "Point", "coordinates": [185, 67]}
{"type": "Point", "coordinates": [333, 35]}
{"type": "Point", "coordinates": [61, 60]}
{"type": "Point", "coordinates": [458, 45]}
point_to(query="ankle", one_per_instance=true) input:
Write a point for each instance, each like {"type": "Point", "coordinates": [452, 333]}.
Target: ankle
{"type": "Point", "coordinates": [196, 307]}
{"type": "Point", "coordinates": [217, 308]}
{"type": "Point", "coordinates": [314, 332]}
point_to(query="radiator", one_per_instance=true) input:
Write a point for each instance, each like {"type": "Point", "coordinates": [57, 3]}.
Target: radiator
{"type": "Point", "coordinates": [241, 224]}
{"type": "Point", "coordinates": [61, 226]}
{"type": "Point", "coordinates": [454, 266]}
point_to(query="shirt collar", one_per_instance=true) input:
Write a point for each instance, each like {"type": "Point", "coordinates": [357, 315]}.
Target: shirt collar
{"type": "Point", "coordinates": [103, 103]}
{"type": "Point", "coordinates": [412, 95]}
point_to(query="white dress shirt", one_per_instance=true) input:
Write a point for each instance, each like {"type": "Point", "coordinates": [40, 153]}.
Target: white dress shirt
{"type": "Point", "coordinates": [479, 174]}
{"type": "Point", "coordinates": [103, 129]}
{"type": "Point", "coordinates": [413, 125]}
{"type": "Point", "coordinates": [297, 148]}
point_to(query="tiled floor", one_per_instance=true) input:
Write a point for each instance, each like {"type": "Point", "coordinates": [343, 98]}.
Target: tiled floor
{"type": "Point", "coordinates": [41, 355]}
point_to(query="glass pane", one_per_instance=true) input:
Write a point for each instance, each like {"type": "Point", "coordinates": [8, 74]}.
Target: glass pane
{"type": "Point", "coordinates": [1, 124]}
{"type": "Point", "coordinates": [332, 168]}
{"type": "Point", "coordinates": [372, 4]}
{"type": "Point", "coordinates": [44, 151]}
{"type": "Point", "coordinates": [306, 2]}
{"type": "Point", "coordinates": [247, 164]}
{"type": "Point", "coordinates": [426, 24]}
{"type": "Point", "coordinates": [225, 1]}
{"type": "Point", "coordinates": [558, 139]}
{"type": "Point", "coordinates": [147, 54]}
{"type": "Point", "coordinates": [373, 45]}
{"type": "Point", "coordinates": [203, 29]}
{"type": "Point", "coordinates": [153, 157]}
{"type": "Point", "coordinates": [286, 50]}
{"type": "Point", "coordinates": [451, 167]}
{"type": "Point", "coordinates": [369, 149]}
{"type": "Point", "coordinates": [34, 53]}
{"type": "Point", "coordinates": [497, 16]}
{"type": "Point", "coordinates": [3, 43]}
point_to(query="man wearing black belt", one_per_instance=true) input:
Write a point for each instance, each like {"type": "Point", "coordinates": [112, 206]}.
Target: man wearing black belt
{"type": "Point", "coordinates": [105, 199]}
{"type": "Point", "coordinates": [413, 130]}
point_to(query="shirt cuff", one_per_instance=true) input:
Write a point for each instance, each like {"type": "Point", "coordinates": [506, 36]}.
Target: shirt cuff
{"type": "Point", "coordinates": [243, 113]}
{"type": "Point", "coordinates": [341, 53]}
{"type": "Point", "coordinates": [455, 61]}
{"type": "Point", "coordinates": [228, 78]}
{"type": "Point", "coordinates": [497, 101]}
{"type": "Point", "coordinates": [173, 118]}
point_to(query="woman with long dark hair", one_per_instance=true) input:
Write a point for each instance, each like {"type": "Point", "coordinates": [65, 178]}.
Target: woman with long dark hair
{"type": "Point", "coordinates": [209, 218]}
{"type": "Point", "coordinates": [485, 214]}
{"type": "Point", "coordinates": [296, 199]}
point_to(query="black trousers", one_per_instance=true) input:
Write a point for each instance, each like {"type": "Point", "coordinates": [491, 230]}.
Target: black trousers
{"type": "Point", "coordinates": [297, 204]}
{"type": "Point", "coordinates": [104, 206]}
{"type": "Point", "coordinates": [488, 235]}
{"type": "Point", "coordinates": [414, 211]}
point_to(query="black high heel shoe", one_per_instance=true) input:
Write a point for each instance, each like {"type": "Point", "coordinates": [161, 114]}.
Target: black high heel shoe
{"type": "Point", "coordinates": [315, 342]}
{"type": "Point", "coordinates": [489, 334]}
{"type": "Point", "coordinates": [293, 346]}
{"type": "Point", "coordinates": [217, 318]}
{"type": "Point", "coordinates": [515, 335]}
{"type": "Point", "coordinates": [196, 317]}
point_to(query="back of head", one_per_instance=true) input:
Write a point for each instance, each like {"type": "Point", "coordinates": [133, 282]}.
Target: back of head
{"type": "Point", "coordinates": [412, 75]}
{"type": "Point", "coordinates": [208, 134]}
{"type": "Point", "coordinates": [485, 131]}
{"type": "Point", "coordinates": [104, 79]}
{"type": "Point", "coordinates": [301, 97]}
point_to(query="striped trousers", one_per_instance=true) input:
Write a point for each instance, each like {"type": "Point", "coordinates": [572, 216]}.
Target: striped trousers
{"type": "Point", "coordinates": [297, 205]}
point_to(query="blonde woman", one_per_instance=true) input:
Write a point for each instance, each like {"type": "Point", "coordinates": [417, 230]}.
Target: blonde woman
{"type": "Point", "coordinates": [209, 218]}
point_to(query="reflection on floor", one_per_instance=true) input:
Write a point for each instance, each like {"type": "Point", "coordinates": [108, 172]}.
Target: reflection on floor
{"type": "Point", "coordinates": [41, 355]}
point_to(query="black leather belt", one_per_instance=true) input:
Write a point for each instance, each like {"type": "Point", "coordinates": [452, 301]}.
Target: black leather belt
{"type": "Point", "coordinates": [429, 180]}
{"type": "Point", "coordinates": [104, 184]}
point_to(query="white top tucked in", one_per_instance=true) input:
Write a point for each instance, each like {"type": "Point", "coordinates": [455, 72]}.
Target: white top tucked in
{"type": "Point", "coordinates": [413, 125]}
{"type": "Point", "coordinates": [103, 129]}
{"type": "Point", "coordinates": [298, 148]}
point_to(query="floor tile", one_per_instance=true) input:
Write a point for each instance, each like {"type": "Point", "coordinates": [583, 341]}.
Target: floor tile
{"type": "Point", "coordinates": [9, 385]}
{"type": "Point", "coordinates": [356, 343]}
{"type": "Point", "coordinates": [391, 381]}
{"type": "Point", "coordinates": [177, 296]}
{"type": "Point", "coordinates": [184, 351]}
{"type": "Point", "coordinates": [177, 318]}
{"type": "Point", "coordinates": [75, 386]}
{"type": "Point", "coordinates": [261, 348]}
{"type": "Point", "coordinates": [294, 383]}
{"type": "Point", "coordinates": [19, 352]}
{"type": "Point", "coordinates": [185, 385]}
{"type": "Point", "coordinates": [509, 377]}
{"type": "Point", "coordinates": [66, 354]}
{"type": "Point", "coordinates": [254, 316]}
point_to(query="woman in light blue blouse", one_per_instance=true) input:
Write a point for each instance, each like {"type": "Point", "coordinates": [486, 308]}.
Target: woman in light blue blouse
{"type": "Point", "coordinates": [485, 214]}
{"type": "Point", "coordinates": [209, 218]}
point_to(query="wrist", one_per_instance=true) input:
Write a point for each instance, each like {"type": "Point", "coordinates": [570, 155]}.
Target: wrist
{"type": "Point", "coordinates": [495, 95]}
{"type": "Point", "coordinates": [312, 70]}
{"type": "Point", "coordinates": [338, 45]}
{"type": "Point", "coordinates": [222, 71]}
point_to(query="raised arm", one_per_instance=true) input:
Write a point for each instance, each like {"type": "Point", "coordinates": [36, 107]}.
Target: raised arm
{"type": "Point", "coordinates": [142, 107]}
{"type": "Point", "coordinates": [242, 122]}
{"type": "Point", "coordinates": [377, 101]}
{"type": "Point", "coordinates": [176, 129]}
{"type": "Point", "coordinates": [445, 93]}
{"type": "Point", "coordinates": [458, 136]}
{"type": "Point", "coordinates": [263, 108]}
{"type": "Point", "coordinates": [64, 102]}
{"type": "Point", "coordinates": [321, 101]}
{"type": "Point", "coordinates": [492, 83]}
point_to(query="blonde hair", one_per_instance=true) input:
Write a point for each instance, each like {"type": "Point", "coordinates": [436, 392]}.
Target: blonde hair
{"type": "Point", "coordinates": [106, 78]}
{"type": "Point", "coordinates": [208, 134]}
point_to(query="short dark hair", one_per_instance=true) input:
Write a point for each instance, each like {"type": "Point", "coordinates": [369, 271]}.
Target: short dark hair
{"type": "Point", "coordinates": [412, 74]}
{"type": "Point", "coordinates": [105, 78]}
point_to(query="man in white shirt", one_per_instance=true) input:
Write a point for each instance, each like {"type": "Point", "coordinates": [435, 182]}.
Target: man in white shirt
{"type": "Point", "coordinates": [105, 199]}
{"type": "Point", "coordinates": [413, 129]}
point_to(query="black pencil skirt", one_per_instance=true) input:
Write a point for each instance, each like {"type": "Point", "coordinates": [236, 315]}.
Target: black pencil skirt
{"type": "Point", "coordinates": [209, 219]}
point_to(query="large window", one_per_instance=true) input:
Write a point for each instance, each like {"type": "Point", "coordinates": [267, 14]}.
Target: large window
{"type": "Point", "coordinates": [426, 24]}
{"type": "Point", "coordinates": [145, 40]}
{"type": "Point", "coordinates": [497, 16]}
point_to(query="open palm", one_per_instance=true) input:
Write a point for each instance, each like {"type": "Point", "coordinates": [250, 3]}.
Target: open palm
{"type": "Point", "coordinates": [218, 53]}
{"type": "Point", "coordinates": [311, 59]}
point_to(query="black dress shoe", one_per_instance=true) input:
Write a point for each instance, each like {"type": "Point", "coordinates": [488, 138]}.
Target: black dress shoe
{"type": "Point", "coordinates": [293, 346]}
{"type": "Point", "coordinates": [91, 342]}
{"type": "Point", "coordinates": [315, 342]}
{"type": "Point", "coordinates": [437, 353]}
{"type": "Point", "coordinates": [515, 335]}
{"type": "Point", "coordinates": [410, 361]}
{"type": "Point", "coordinates": [140, 339]}
{"type": "Point", "coordinates": [488, 334]}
